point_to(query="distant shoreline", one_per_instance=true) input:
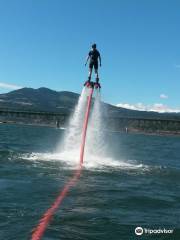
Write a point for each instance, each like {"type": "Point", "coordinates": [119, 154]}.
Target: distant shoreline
{"type": "Point", "coordinates": [130, 131]}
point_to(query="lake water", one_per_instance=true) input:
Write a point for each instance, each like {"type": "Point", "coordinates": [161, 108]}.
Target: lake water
{"type": "Point", "coordinates": [137, 183]}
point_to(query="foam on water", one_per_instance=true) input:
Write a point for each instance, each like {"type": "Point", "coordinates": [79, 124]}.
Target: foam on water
{"type": "Point", "coordinates": [70, 160]}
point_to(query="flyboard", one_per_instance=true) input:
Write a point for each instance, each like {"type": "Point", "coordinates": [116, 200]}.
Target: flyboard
{"type": "Point", "coordinates": [90, 84]}
{"type": "Point", "coordinates": [45, 220]}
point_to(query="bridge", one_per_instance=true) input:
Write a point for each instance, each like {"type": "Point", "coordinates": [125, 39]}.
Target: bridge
{"type": "Point", "coordinates": [112, 124]}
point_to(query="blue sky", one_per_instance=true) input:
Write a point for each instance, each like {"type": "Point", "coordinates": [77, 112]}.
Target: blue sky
{"type": "Point", "coordinates": [43, 43]}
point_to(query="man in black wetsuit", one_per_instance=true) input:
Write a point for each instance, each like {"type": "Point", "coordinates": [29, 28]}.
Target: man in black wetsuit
{"type": "Point", "coordinates": [93, 55]}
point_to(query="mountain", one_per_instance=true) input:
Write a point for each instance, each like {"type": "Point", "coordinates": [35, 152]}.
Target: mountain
{"type": "Point", "coordinates": [41, 99]}
{"type": "Point", "coordinates": [47, 100]}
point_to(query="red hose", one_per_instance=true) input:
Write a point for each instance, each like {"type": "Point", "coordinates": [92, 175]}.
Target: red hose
{"type": "Point", "coordinates": [85, 127]}
{"type": "Point", "coordinates": [46, 218]}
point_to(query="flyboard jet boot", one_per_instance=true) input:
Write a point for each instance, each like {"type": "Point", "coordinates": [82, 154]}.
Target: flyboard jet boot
{"type": "Point", "coordinates": [89, 83]}
{"type": "Point", "coordinates": [97, 84]}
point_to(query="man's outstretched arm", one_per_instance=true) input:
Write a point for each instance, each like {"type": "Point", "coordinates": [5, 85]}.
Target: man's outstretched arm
{"type": "Point", "coordinates": [100, 60]}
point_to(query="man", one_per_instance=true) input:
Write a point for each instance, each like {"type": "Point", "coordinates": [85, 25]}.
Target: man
{"type": "Point", "coordinates": [93, 56]}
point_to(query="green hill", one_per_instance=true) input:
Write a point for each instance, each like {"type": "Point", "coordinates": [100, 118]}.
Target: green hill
{"type": "Point", "coordinates": [47, 100]}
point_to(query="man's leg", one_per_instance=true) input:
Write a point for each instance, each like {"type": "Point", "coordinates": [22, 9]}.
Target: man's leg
{"type": "Point", "coordinates": [89, 76]}
{"type": "Point", "coordinates": [97, 76]}
{"type": "Point", "coordinates": [90, 73]}
{"type": "Point", "coordinates": [96, 71]}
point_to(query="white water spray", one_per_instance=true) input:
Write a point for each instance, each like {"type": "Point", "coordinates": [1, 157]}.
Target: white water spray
{"type": "Point", "coordinates": [95, 144]}
{"type": "Point", "coordinates": [95, 147]}
{"type": "Point", "coordinates": [96, 152]}
{"type": "Point", "coordinates": [70, 144]}
{"type": "Point", "coordinates": [72, 136]}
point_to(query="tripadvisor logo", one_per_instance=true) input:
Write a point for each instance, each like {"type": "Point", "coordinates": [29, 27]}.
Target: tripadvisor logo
{"type": "Point", "coordinates": [139, 231]}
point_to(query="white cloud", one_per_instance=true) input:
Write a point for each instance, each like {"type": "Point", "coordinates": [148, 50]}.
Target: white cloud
{"type": "Point", "coordinates": [163, 96]}
{"type": "Point", "coordinates": [156, 107]}
{"type": "Point", "coordinates": [138, 106]}
{"type": "Point", "coordinates": [9, 86]}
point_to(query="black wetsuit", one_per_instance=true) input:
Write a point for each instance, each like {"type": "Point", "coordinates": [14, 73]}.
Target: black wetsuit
{"type": "Point", "coordinates": [94, 54]}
